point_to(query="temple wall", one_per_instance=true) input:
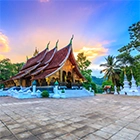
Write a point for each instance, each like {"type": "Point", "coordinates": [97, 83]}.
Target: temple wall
{"type": "Point", "coordinates": [9, 84]}
{"type": "Point", "coordinates": [68, 67]}
{"type": "Point", "coordinates": [23, 82]}
{"type": "Point", "coordinates": [17, 82]}
{"type": "Point", "coordinates": [76, 77]}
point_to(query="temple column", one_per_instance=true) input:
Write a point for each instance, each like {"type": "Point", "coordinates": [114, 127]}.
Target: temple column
{"type": "Point", "coordinates": [73, 77]}
{"type": "Point", "coordinates": [20, 82]}
{"type": "Point", "coordinates": [48, 81]}
{"type": "Point", "coordinates": [73, 80]}
{"type": "Point", "coordinates": [23, 83]}
{"type": "Point", "coordinates": [60, 75]}
{"type": "Point", "coordinates": [39, 81]}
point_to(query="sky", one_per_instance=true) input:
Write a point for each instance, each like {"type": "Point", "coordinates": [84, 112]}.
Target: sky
{"type": "Point", "coordinates": [100, 27]}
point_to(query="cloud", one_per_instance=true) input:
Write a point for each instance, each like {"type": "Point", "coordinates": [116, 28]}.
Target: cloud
{"type": "Point", "coordinates": [95, 67]}
{"type": "Point", "coordinates": [1, 57]}
{"type": "Point", "coordinates": [92, 52]}
{"type": "Point", "coordinates": [44, 0]}
{"type": "Point", "coordinates": [4, 45]}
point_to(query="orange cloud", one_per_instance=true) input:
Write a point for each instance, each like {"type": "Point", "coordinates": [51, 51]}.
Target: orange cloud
{"type": "Point", "coordinates": [4, 46]}
{"type": "Point", "coordinates": [93, 52]}
{"type": "Point", "coordinates": [1, 57]}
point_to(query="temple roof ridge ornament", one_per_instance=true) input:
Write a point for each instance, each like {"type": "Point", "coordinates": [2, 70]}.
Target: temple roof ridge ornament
{"type": "Point", "coordinates": [48, 45]}
{"type": "Point", "coordinates": [36, 52]}
{"type": "Point", "coordinates": [27, 58]}
{"type": "Point", "coordinates": [71, 39]}
{"type": "Point", "coordinates": [56, 46]}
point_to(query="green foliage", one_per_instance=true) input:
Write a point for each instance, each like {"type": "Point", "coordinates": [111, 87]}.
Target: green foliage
{"type": "Point", "coordinates": [88, 84]}
{"type": "Point", "coordinates": [45, 94]}
{"type": "Point", "coordinates": [7, 69]}
{"type": "Point", "coordinates": [82, 61]}
{"type": "Point", "coordinates": [1, 85]}
{"type": "Point", "coordinates": [100, 89]}
{"type": "Point", "coordinates": [108, 83]}
{"type": "Point", "coordinates": [62, 91]}
{"type": "Point", "coordinates": [137, 58]}
{"type": "Point", "coordinates": [87, 74]}
{"type": "Point", "coordinates": [127, 61]}
{"type": "Point", "coordinates": [83, 64]}
{"type": "Point", "coordinates": [134, 32]}
{"type": "Point", "coordinates": [93, 86]}
{"type": "Point", "coordinates": [114, 67]}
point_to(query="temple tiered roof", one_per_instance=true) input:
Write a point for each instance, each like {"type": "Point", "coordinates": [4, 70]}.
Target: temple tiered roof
{"type": "Point", "coordinates": [47, 63]}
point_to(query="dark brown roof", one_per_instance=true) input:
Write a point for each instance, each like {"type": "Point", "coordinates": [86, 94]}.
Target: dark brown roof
{"type": "Point", "coordinates": [32, 61]}
{"type": "Point", "coordinates": [45, 73]}
{"type": "Point", "coordinates": [47, 62]}
{"type": "Point", "coordinates": [59, 57]}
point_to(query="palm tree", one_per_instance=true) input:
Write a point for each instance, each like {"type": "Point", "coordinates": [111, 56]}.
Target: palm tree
{"type": "Point", "coordinates": [125, 59]}
{"type": "Point", "coordinates": [129, 64]}
{"type": "Point", "coordinates": [111, 69]}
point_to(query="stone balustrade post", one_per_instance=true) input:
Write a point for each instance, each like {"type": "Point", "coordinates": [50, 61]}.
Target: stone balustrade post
{"type": "Point", "coordinates": [34, 86]}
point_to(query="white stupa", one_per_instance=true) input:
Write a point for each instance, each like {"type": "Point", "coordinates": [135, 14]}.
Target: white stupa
{"type": "Point", "coordinates": [115, 90]}
{"type": "Point", "coordinates": [126, 86]}
{"type": "Point", "coordinates": [133, 90]}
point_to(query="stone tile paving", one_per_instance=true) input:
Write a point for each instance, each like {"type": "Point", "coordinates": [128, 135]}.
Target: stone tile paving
{"type": "Point", "coordinates": [103, 117]}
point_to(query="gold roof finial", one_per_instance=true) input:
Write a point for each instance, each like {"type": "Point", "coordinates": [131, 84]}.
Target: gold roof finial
{"type": "Point", "coordinates": [35, 52]}
{"type": "Point", "coordinates": [57, 44]}
{"type": "Point", "coordinates": [27, 58]}
{"type": "Point", "coordinates": [48, 45]}
{"type": "Point", "coordinates": [71, 39]}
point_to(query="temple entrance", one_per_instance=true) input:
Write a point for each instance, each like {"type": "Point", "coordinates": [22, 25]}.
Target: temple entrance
{"type": "Point", "coordinates": [43, 82]}
{"type": "Point", "coordinates": [28, 82]}
{"type": "Point", "coordinates": [63, 76]}
{"type": "Point", "coordinates": [52, 81]}
{"type": "Point", "coordinates": [69, 80]}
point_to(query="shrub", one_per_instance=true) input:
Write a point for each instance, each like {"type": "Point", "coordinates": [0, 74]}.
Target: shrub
{"type": "Point", "coordinates": [88, 84]}
{"type": "Point", "coordinates": [45, 94]}
{"type": "Point", "coordinates": [63, 91]}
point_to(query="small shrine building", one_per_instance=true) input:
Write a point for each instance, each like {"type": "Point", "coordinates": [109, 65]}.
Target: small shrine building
{"type": "Point", "coordinates": [47, 67]}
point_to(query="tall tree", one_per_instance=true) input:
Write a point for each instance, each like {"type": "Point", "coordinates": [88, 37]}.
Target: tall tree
{"type": "Point", "coordinates": [127, 58]}
{"type": "Point", "coordinates": [134, 32]}
{"type": "Point", "coordinates": [7, 69]}
{"type": "Point", "coordinates": [83, 64]}
{"type": "Point", "coordinates": [111, 69]}
{"type": "Point", "coordinates": [17, 67]}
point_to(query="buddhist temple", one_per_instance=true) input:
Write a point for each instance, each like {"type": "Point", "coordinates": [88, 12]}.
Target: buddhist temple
{"type": "Point", "coordinates": [47, 67]}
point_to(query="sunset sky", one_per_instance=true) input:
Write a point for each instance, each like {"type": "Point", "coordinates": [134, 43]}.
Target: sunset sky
{"type": "Point", "coordinates": [100, 27]}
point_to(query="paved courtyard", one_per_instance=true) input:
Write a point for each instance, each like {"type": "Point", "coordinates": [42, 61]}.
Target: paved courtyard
{"type": "Point", "coordinates": [103, 117]}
